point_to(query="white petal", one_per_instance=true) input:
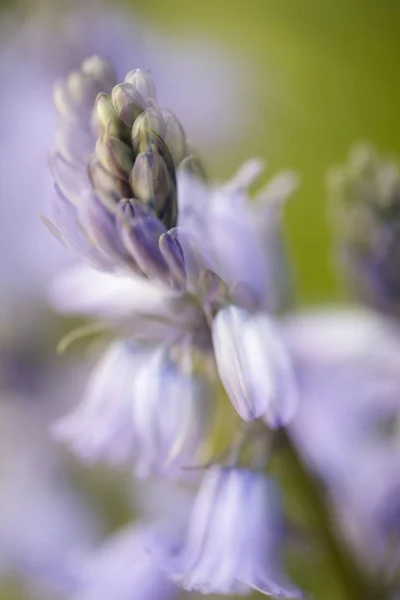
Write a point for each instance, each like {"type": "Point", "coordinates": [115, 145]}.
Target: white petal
{"type": "Point", "coordinates": [100, 428]}
{"type": "Point", "coordinates": [235, 243]}
{"type": "Point", "coordinates": [254, 365]}
{"type": "Point", "coordinates": [146, 309]}
{"type": "Point", "coordinates": [170, 415]}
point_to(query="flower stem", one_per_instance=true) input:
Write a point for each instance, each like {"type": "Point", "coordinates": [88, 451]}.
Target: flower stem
{"type": "Point", "coordinates": [355, 585]}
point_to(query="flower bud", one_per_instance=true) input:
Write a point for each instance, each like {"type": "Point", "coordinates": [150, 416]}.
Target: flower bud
{"type": "Point", "coordinates": [173, 255]}
{"type": "Point", "coordinates": [128, 103]}
{"type": "Point", "coordinates": [114, 155]}
{"type": "Point", "coordinates": [174, 138]}
{"type": "Point", "coordinates": [141, 239]}
{"type": "Point", "coordinates": [149, 122]}
{"type": "Point", "coordinates": [104, 110]}
{"type": "Point", "coordinates": [153, 182]}
{"type": "Point", "coordinates": [143, 83]}
{"type": "Point", "coordinates": [108, 187]}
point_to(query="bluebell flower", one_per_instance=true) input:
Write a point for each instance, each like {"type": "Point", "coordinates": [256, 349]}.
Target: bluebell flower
{"type": "Point", "coordinates": [255, 365]}
{"type": "Point", "coordinates": [55, 39]}
{"type": "Point", "coordinates": [183, 284]}
{"type": "Point", "coordinates": [242, 237]}
{"type": "Point", "coordinates": [365, 200]}
{"type": "Point", "coordinates": [233, 540]}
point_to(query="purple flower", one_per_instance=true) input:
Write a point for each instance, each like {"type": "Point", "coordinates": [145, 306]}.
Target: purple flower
{"type": "Point", "coordinates": [241, 238]}
{"type": "Point", "coordinates": [233, 539]}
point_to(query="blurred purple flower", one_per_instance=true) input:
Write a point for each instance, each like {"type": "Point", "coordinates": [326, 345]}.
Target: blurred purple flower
{"type": "Point", "coordinates": [348, 363]}
{"type": "Point", "coordinates": [365, 201]}
{"type": "Point", "coordinates": [121, 569]}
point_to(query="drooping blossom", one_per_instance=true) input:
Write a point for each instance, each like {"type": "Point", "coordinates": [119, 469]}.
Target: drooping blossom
{"type": "Point", "coordinates": [233, 539]}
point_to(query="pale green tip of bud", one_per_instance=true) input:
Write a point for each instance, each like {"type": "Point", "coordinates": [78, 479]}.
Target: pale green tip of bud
{"type": "Point", "coordinates": [128, 103]}
{"type": "Point", "coordinates": [149, 122]}
{"type": "Point", "coordinates": [115, 156]}
{"type": "Point", "coordinates": [174, 138]}
{"type": "Point", "coordinates": [143, 83]}
{"type": "Point", "coordinates": [154, 183]}
{"type": "Point", "coordinates": [105, 111]}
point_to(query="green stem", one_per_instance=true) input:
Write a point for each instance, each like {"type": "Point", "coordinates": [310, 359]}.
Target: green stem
{"type": "Point", "coordinates": [354, 584]}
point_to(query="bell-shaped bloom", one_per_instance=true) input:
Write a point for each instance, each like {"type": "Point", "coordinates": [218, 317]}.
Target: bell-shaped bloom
{"type": "Point", "coordinates": [101, 428]}
{"type": "Point", "coordinates": [121, 569]}
{"type": "Point", "coordinates": [254, 365]}
{"type": "Point", "coordinates": [140, 406]}
{"type": "Point", "coordinates": [233, 540]}
{"type": "Point", "coordinates": [171, 414]}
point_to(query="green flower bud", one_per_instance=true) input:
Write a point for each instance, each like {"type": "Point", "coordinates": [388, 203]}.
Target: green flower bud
{"type": "Point", "coordinates": [154, 183]}
{"type": "Point", "coordinates": [174, 138]}
{"type": "Point", "coordinates": [105, 116]}
{"type": "Point", "coordinates": [104, 110]}
{"type": "Point", "coordinates": [143, 83]}
{"type": "Point", "coordinates": [149, 122]}
{"type": "Point", "coordinates": [114, 155]}
{"type": "Point", "coordinates": [128, 103]}
{"type": "Point", "coordinates": [110, 188]}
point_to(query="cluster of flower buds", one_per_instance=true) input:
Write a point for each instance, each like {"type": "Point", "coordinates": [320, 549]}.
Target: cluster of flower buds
{"type": "Point", "coordinates": [114, 164]}
{"type": "Point", "coordinates": [365, 200]}
{"type": "Point", "coordinates": [188, 282]}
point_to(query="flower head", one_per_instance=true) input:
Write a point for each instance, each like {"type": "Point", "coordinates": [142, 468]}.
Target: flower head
{"type": "Point", "coordinates": [114, 164]}
{"type": "Point", "coordinates": [189, 292]}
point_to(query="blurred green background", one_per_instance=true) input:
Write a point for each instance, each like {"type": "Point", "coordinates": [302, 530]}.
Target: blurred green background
{"type": "Point", "coordinates": [326, 75]}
